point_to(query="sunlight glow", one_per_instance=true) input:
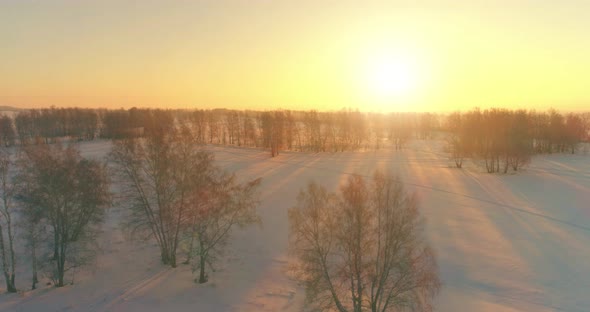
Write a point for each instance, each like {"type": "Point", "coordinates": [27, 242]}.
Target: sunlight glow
{"type": "Point", "coordinates": [392, 78]}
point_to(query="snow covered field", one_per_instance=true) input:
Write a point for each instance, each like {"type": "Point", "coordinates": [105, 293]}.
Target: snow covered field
{"type": "Point", "coordinates": [517, 242]}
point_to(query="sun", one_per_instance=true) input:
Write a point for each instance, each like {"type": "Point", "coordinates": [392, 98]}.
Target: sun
{"type": "Point", "coordinates": [391, 77]}
{"type": "Point", "coordinates": [394, 75]}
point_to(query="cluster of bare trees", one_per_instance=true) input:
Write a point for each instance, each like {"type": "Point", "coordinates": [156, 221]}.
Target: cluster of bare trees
{"type": "Point", "coordinates": [362, 249]}
{"type": "Point", "coordinates": [278, 130]}
{"type": "Point", "coordinates": [505, 139]}
{"type": "Point", "coordinates": [58, 198]}
{"type": "Point", "coordinates": [176, 196]}
{"type": "Point", "coordinates": [172, 191]}
{"type": "Point", "coordinates": [7, 132]}
{"type": "Point", "coordinates": [554, 132]}
{"type": "Point", "coordinates": [51, 123]}
{"type": "Point", "coordinates": [118, 124]}
{"type": "Point", "coordinates": [47, 125]}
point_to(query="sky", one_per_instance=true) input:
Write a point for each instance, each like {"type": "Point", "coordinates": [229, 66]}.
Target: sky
{"type": "Point", "coordinates": [308, 54]}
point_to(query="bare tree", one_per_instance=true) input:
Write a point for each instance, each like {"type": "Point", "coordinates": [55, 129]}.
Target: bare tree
{"type": "Point", "coordinates": [34, 230]}
{"type": "Point", "coordinates": [7, 132]}
{"type": "Point", "coordinates": [363, 249]}
{"type": "Point", "coordinates": [400, 129]}
{"type": "Point", "coordinates": [519, 141]}
{"type": "Point", "coordinates": [272, 125]}
{"type": "Point", "coordinates": [71, 192]}
{"type": "Point", "coordinates": [249, 129]}
{"type": "Point", "coordinates": [157, 175]}
{"type": "Point", "coordinates": [575, 131]}
{"type": "Point", "coordinates": [26, 126]}
{"type": "Point", "coordinates": [216, 209]}
{"type": "Point", "coordinates": [456, 139]}
{"type": "Point", "coordinates": [502, 138]}
{"type": "Point", "coordinates": [200, 125]}
{"type": "Point", "coordinates": [7, 193]}
{"type": "Point", "coordinates": [312, 126]}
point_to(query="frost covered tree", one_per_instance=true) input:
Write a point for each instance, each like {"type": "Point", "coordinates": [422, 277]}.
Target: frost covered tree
{"type": "Point", "coordinates": [216, 208]}
{"type": "Point", "coordinates": [7, 132]}
{"type": "Point", "coordinates": [69, 193]}
{"type": "Point", "coordinates": [7, 192]}
{"type": "Point", "coordinates": [157, 173]}
{"type": "Point", "coordinates": [272, 126]}
{"type": "Point", "coordinates": [33, 229]}
{"type": "Point", "coordinates": [175, 195]}
{"type": "Point", "coordinates": [362, 249]}
{"type": "Point", "coordinates": [457, 141]}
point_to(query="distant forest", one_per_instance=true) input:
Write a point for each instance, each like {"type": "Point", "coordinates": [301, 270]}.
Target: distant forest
{"type": "Point", "coordinates": [502, 138]}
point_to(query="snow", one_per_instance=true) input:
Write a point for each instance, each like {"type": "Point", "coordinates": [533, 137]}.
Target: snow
{"type": "Point", "coordinates": [515, 242]}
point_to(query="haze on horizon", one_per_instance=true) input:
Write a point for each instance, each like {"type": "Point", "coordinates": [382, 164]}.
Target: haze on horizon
{"type": "Point", "coordinates": [325, 55]}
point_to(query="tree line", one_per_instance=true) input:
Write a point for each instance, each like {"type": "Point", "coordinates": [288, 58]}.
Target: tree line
{"type": "Point", "coordinates": [507, 139]}
{"type": "Point", "coordinates": [308, 131]}
{"type": "Point", "coordinates": [501, 138]}
{"type": "Point", "coordinates": [46, 125]}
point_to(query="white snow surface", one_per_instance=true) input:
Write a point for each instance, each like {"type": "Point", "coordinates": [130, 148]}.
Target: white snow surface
{"type": "Point", "coordinates": [514, 242]}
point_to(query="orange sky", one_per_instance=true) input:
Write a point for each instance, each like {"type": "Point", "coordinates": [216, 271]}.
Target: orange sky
{"type": "Point", "coordinates": [295, 54]}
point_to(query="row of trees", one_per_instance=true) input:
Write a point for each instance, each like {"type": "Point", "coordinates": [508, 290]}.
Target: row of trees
{"type": "Point", "coordinates": [506, 139]}
{"type": "Point", "coordinates": [309, 131]}
{"type": "Point", "coordinates": [278, 130]}
{"type": "Point", "coordinates": [274, 130]}
{"type": "Point", "coordinates": [47, 125]}
{"type": "Point", "coordinates": [51, 123]}
{"type": "Point", "coordinates": [118, 124]}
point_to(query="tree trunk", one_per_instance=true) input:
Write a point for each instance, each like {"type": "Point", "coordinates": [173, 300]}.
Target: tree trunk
{"type": "Point", "coordinates": [12, 287]}
{"type": "Point", "coordinates": [12, 255]}
{"type": "Point", "coordinates": [164, 255]}
{"type": "Point", "coordinates": [189, 254]}
{"type": "Point", "coordinates": [8, 277]}
{"type": "Point", "coordinates": [60, 273]}
{"type": "Point", "coordinates": [506, 165]}
{"type": "Point", "coordinates": [202, 275]}
{"type": "Point", "coordinates": [55, 246]}
{"type": "Point", "coordinates": [34, 265]}
{"type": "Point", "coordinates": [61, 264]}
{"type": "Point", "coordinates": [173, 259]}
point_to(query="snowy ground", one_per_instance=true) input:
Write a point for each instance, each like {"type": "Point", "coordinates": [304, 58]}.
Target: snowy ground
{"type": "Point", "coordinates": [517, 242]}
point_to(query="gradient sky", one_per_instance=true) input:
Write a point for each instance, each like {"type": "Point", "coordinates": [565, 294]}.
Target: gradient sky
{"type": "Point", "coordinates": [294, 54]}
